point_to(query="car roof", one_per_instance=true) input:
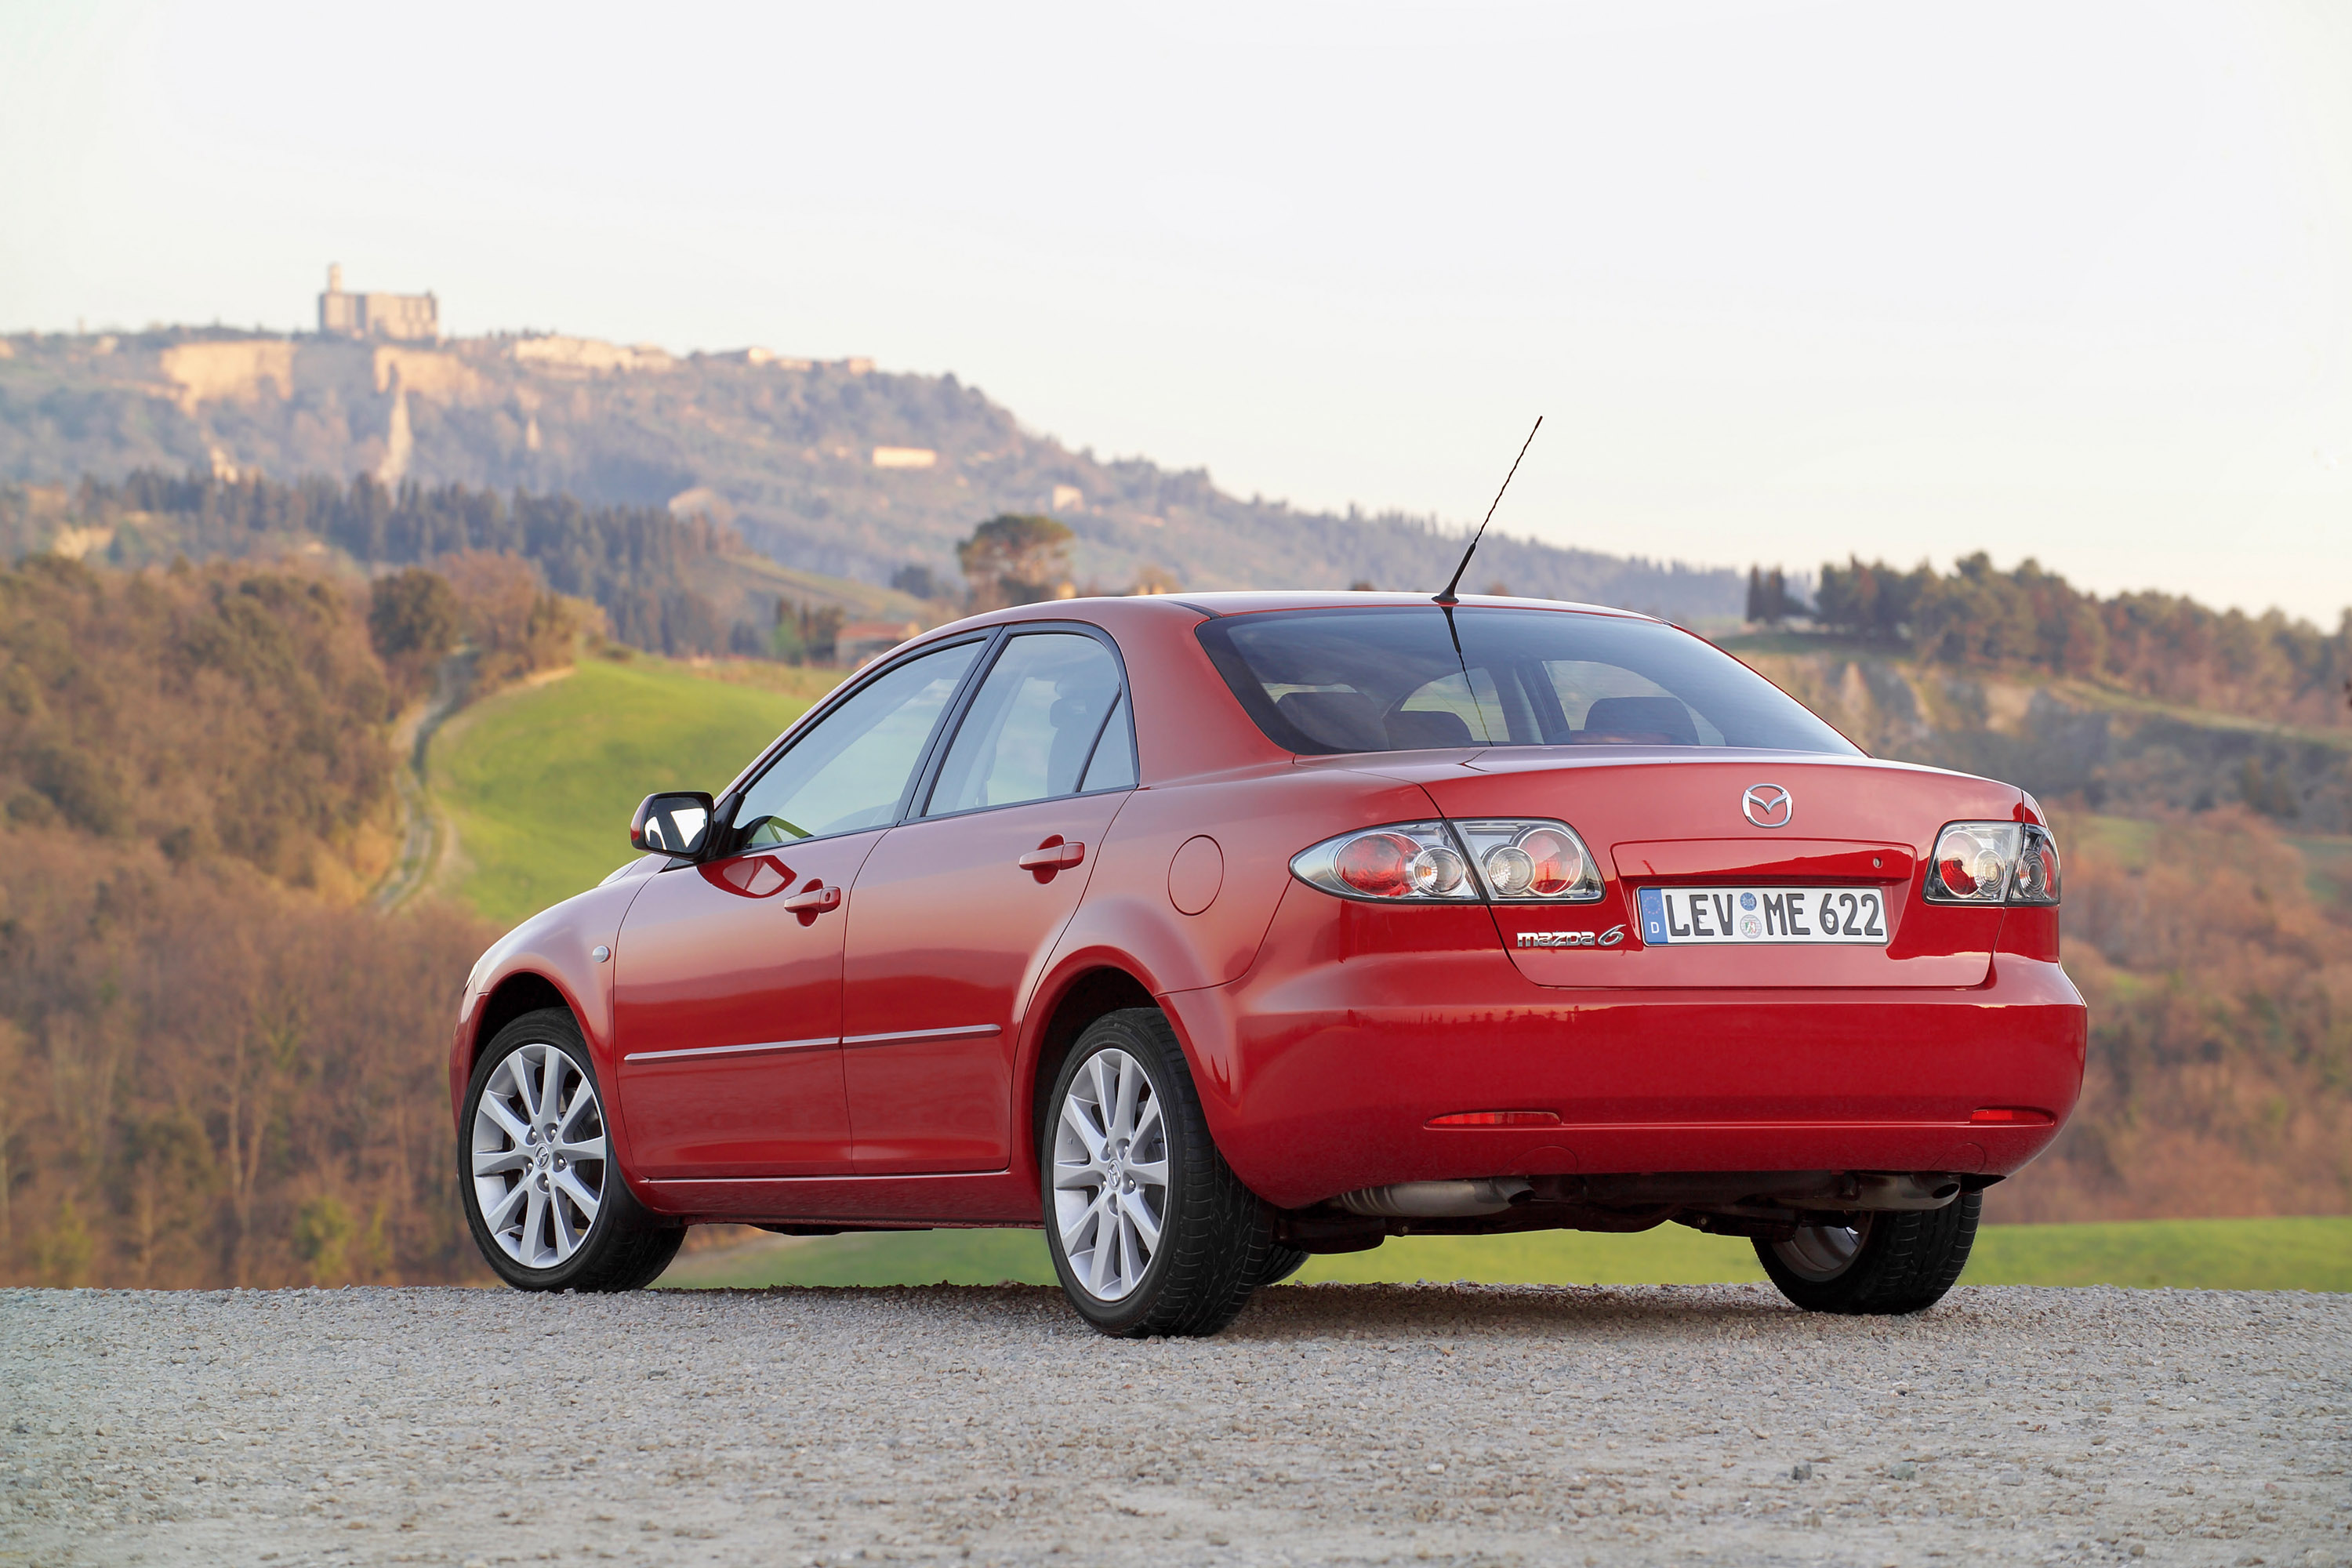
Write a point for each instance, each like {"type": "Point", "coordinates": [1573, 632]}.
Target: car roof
{"type": "Point", "coordinates": [1253, 602]}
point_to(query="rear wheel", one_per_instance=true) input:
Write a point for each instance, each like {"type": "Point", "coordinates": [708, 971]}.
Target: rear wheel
{"type": "Point", "coordinates": [543, 1195]}
{"type": "Point", "coordinates": [1879, 1262]}
{"type": "Point", "coordinates": [1281, 1263]}
{"type": "Point", "coordinates": [1151, 1232]}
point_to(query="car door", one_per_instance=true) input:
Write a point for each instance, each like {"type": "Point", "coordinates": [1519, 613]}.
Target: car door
{"type": "Point", "coordinates": [958, 906]}
{"type": "Point", "coordinates": [727, 984]}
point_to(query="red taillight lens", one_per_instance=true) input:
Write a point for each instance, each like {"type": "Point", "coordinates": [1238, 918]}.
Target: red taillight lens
{"type": "Point", "coordinates": [1406, 861]}
{"type": "Point", "coordinates": [1520, 858]}
{"type": "Point", "coordinates": [1498, 1119]}
{"type": "Point", "coordinates": [1378, 864]}
{"type": "Point", "coordinates": [1559, 861]}
{"type": "Point", "coordinates": [1424, 861]}
{"type": "Point", "coordinates": [2009, 1116]}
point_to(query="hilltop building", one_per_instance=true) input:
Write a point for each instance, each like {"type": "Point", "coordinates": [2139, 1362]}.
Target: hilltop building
{"type": "Point", "coordinates": [405, 316]}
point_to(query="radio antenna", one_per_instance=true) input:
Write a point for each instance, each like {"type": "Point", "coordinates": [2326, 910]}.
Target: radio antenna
{"type": "Point", "coordinates": [1448, 598]}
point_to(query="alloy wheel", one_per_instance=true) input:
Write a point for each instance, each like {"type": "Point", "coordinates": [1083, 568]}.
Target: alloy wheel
{"type": "Point", "coordinates": [1823, 1252]}
{"type": "Point", "coordinates": [539, 1155]}
{"type": "Point", "coordinates": [1110, 1173]}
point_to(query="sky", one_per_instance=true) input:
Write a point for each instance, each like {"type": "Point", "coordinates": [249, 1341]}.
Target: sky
{"type": "Point", "coordinates": [1787, 281]}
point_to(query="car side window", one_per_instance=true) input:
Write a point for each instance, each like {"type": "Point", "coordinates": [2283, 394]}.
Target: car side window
{"type": "Point", "coordinates": [1034, 726]}
{"type": "Point", "coordinates": [851, 770]}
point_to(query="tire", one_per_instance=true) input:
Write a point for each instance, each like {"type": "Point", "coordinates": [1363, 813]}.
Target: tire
{"type": "Point", "coordinates": [536, 1189]}
{"type": "Point", "coordinates": [1887, 1262]}
{"type": "Point", "coordinates": [1151, 1232]}
{"type": "Point", "coordinates": [1281, 1263]}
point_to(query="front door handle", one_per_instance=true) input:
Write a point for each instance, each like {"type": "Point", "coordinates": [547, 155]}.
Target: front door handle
{"type": "Point", "coordinates": [1053, 856]}
{"type": "Point", "coordinates": [813, 899]}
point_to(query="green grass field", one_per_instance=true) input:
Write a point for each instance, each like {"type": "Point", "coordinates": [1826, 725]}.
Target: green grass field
{"type": "Point", "coordinates": [540, 781]}
{"type": "Point", "coordinates": [2300, 1254]}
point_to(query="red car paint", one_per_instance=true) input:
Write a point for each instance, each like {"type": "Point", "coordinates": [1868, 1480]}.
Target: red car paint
{"type": "Point", "coordinates": [876, 1060]}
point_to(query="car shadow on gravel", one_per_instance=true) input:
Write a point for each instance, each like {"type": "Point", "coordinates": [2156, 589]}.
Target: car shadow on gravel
{"type": "Point", "coordinates": [1307, 1312]}
{"type": "Point", "coordinates": [1286, 1312]}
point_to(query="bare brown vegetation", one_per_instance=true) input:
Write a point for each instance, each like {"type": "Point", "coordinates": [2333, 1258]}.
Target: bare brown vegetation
{"type": "Point", "coordinates": [223, 709]}
{"type": "Point", "coordinates": [208, 1079]}
{"type": "Point", "coordinates": [213, 1068]}
{"type": "Point", "coordinates": [2220, 1079]}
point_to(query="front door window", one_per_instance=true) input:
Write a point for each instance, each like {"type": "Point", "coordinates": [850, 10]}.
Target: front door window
{"type": "Point", "coordinates": [852, 770]}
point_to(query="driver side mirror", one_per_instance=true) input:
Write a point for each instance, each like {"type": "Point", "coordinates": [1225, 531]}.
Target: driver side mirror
{"type": "Point", "coordinates": [678, 823]}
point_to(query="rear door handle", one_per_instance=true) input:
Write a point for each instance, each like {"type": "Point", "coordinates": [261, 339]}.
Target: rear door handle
{"type": "Point", "coordinates": [1053, 856]}
{"type": "Point", "coordinates": [813, 900]}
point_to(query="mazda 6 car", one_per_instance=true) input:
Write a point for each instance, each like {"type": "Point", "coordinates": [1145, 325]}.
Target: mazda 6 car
{"type": "Point", "coordinates": [1211, 932]}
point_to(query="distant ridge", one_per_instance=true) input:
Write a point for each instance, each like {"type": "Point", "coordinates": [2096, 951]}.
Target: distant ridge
{"type": "Point", "coordinates": [826, 467]}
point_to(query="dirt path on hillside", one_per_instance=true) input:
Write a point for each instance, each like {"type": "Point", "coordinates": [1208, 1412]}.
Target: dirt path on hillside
{"type": "Point", "coordinates": [1356, 1424]}
{"type": "Point", "coordinates": [426, 832]}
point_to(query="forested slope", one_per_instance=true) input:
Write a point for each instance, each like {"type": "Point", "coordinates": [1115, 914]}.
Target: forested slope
{"type": "Point", "coordinates": [215, 1067]}
{"type": "Point", "coordinates": [672, 584]}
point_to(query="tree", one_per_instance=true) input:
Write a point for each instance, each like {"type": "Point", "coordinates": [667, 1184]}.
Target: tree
{"type": "Point", "coordinates": [1015, 560]}
{"type": "Point", "coordinates": [1155, 579]}
{"type": "Point", "coordinates": [516, 624]}
{"type": "Point", "coordinates": [413, 620]}
{"type": "Point", "coordinates": [1769, 600]}
{"type": "Point", "coordinates": [806, 633]}
{"type": "Point", "coordinates": [917, 581]}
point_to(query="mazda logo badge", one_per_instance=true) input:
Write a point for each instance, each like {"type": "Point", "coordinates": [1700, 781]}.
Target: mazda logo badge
{"type": "Point", "coordinates": [1768, 806]}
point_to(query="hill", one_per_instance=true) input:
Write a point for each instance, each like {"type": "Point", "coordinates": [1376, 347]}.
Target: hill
{"type": "Point", "coordinates": [834, 469]}
{"type": "Point", "coordinates": [540, 781]}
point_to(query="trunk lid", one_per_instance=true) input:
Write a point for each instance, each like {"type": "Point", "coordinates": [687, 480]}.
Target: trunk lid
{"type": "Point", "coordinates": [1667, 818]}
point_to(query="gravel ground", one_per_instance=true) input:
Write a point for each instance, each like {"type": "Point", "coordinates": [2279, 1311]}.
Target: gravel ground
{"type": "Point", "coordinates": [1332, 1424]}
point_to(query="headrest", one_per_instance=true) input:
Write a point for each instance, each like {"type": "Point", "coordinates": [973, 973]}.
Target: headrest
{"type": "Point", "coordinates": [1640, 720]}
{"type": "Point", "coordinates": [1344, 720]}
{"type": "Point", "coordinates": [1411, 729]}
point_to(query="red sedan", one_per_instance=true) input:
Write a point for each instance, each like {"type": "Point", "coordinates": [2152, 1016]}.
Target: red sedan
{"type": "Point", "coordinates": [1211, 932]}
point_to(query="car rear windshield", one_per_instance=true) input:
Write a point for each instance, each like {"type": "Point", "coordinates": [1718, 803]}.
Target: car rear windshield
{"type": "Point", "coordinates": [1394, 678]}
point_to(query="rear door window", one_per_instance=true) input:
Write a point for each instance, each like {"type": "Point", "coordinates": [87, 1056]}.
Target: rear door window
{"type": "Point", "coordinates": [1036, 726]}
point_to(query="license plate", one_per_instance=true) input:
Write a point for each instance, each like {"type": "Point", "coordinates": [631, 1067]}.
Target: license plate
{"type": "Point", "coordinates": [1673, 916]}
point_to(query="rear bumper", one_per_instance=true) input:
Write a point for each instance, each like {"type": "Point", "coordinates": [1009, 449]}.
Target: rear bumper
{"type": "Point", "coordinates": [1321, 1079]}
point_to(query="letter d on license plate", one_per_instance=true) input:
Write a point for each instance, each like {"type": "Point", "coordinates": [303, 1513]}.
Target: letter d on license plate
{"type": "Point", "coordinates": [1677, 916]}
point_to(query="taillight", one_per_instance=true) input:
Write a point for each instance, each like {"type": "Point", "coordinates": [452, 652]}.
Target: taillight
{"type": "Point", "coordinates": [1411, 860]}
{"type": "Point", "coordinates": [2037, 869]}
{"type": "Point", "coordinates": [1532, 862]}
{"type": "Point", "coordinates": [1517, 862]}
{"type": "Point", "coordinates": [1993, 863]}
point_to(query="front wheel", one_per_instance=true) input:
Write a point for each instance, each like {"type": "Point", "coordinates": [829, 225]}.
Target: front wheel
{"type": "Point", "coordinates": [543, 1195]}
{"type": "Point", "coordinates": [1151, 1232]}
{"type": "Point", "coordinates": [1882, 1262]}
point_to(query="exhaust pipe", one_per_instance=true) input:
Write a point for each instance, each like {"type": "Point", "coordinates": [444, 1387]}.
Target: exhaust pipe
{"type": "Point", "coordinates": [1902, 1190]}
{"type": "Point", "coordinates": [1436, 1199]}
